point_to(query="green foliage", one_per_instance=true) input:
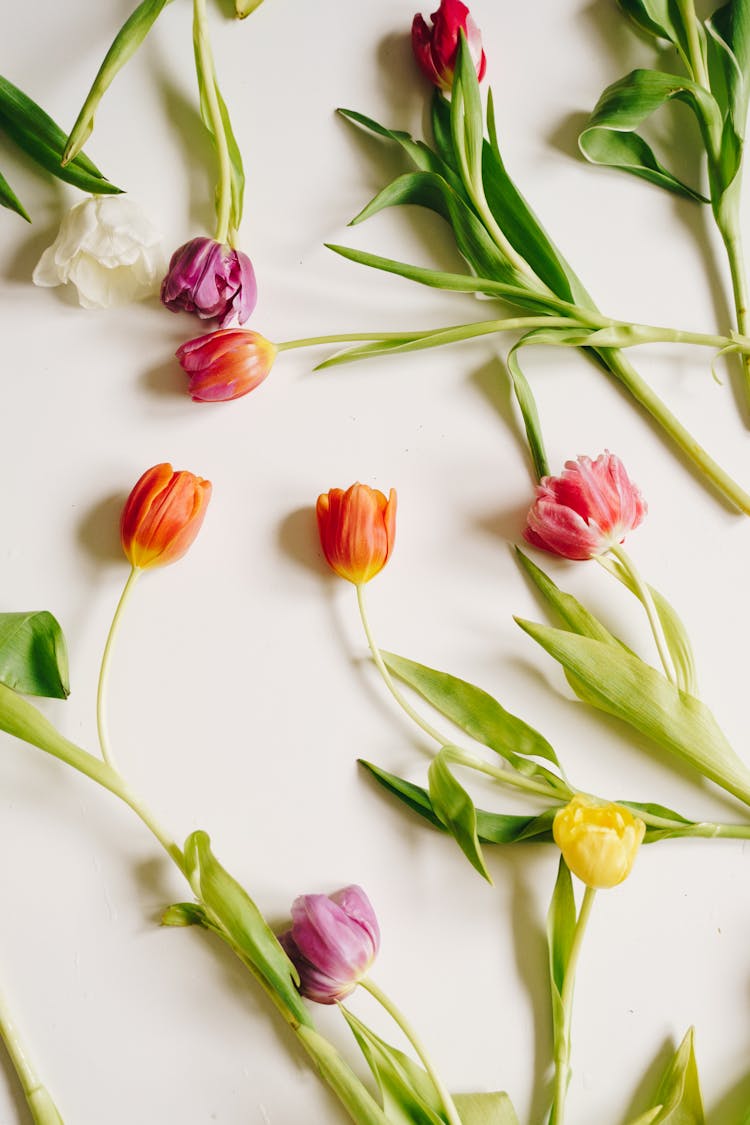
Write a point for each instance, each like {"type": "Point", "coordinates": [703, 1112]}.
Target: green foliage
{"type": "Point", "coordinates": [207, 84]}
{"type": "Point", "coordinates": [455, 809]}
{"type": "Point", "coordinates": [678, 1100]}
{"type": "Point", "coordinates": [485, 1109]}
{"type": "Point", "coordinates": [561, 926]}
{"type": "Point", "coordinates": [33, 655]}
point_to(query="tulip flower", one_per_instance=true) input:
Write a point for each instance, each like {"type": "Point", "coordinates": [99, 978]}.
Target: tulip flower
{"type": "Point", "coordinates": [107, 249]}
{"type": "Point", "coordinates": [357, 530]}
{"type": "Point", "coordinates": [599, 842]}
{"type": "Point", "coordinates": [587, 510]}
{"type": "Point", "coordinates": [210, 279]}
{"type": "Point", "coordinates": [226, 364]}
{"type": "Point", "coordinates": [162, 516]}
{"type": "Point", "coordinates": [332, 942]}
{"type": "Point", "coordinates": [435, 47]}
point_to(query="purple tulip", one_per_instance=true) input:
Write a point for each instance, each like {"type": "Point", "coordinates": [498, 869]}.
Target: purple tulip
{"type": "Point", "coordinates": [211, 279]}
{"type": "Point", "coordinates": [332, 943]}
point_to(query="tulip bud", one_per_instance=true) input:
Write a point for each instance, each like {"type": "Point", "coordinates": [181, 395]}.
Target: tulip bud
{"type": "Point", "coordinates": [435, 48]}
{"type": "Point", "coordinates": [226, 364]}
{"type": "Point", "coordinates": [357, 530]}
{"type": "Point", "coordinates": [162, 516]}
{"type": "Point", "coordinates": [332, 942]}
{"type": "Point", "coordinates": [212, 280]}
{"type": "Point", "coordinates": [585, 511]}
{"type": "Point", "coordinates": [599, 842]}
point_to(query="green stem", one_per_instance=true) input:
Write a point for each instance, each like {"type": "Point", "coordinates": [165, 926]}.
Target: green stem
{"type": "Point", "coordinates": [40, 1103]}
{"type": "Point", "coordinates": [730, 233]}
{"type": "Point", "coordinates": [452, 334]}
{"type": "Point", "coordinates": [397, 1015]}
{"type": "Point", "coordinates": [695, 60]}
{"type": "Point", "coordinates": [643, 594]}
{"type": "Point", "coordinates": [207, 84]}
{"type": "Point", "coordinates": [562, 1046]}
{"type": "Point", "coordinates": [507, 777]}
{"type": "Point", "coordinates": [101, 692]}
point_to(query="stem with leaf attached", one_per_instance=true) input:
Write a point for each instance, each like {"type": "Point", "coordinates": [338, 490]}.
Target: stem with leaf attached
{"type": "Point", "coordinates": [562, 1046]}
{"type": "Point", "coordinates": [206, 71]}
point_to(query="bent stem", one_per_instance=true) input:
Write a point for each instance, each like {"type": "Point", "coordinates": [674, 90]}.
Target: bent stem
{"type": "Point", "coordinates": [40, 1103]}
{"type": "Point", "coordinates": [101, 691]}
{"type": "Point", "coordinates": [208, 88]}
{"type": "Point", "coordinates": [643, 594]}
{"type": "Point", "coordinates": [562, 1046]}
{"type": "Point", "coordinates": [398, 1017]}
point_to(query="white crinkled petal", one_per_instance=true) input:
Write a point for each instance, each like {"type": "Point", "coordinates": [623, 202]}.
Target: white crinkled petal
{"type": "Point", "coordinates": [46, 271]}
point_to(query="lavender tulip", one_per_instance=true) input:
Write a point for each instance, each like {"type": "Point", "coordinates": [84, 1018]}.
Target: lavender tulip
{"type": "Point", "coordinates": [332, 942]}
{"type": "Point", "coordinates": [210, 279]}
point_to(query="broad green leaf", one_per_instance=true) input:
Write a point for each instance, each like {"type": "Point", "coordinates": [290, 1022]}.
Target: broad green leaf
{"type": "Point", "coordinates": [575, 615]}
{"type": "Point", "coordinates": [561, 925]}
{"type": "Point", "coordinates": [660, 18]}
{"type": "Point", "coordinates": [440, 119]}
{"type": "Point", "coordinates": [408, 1093]}
{"type": "Point", "coordinates": [485, 1109]}
{"type": "Point", "coordinates": [621, 684]}
{"type": "Point", "coordinates": [678, 1100]}
{"type": "Point", "coordinates": [455, 282]}
{"type": "Point", "coordinates": [41, 138]}
{"type": "Point", "coordinates": [475, 712]}
{"type": "Point", "coordinates": [186, 914]}
{"type": "Point", "coordinates": [420, 153]}
{"type": "Point", "coordinates": [9, 199]}
{"type": "Point", "coordinates": [358, 1101]}
{"type": "Point", "coordinates": [467, 125]}
{"type": "Point", "coordinates": [610, 137]}
{"type": "Point", "coordinates": [456, 810]}
{"type": "Point", "coordinates": [729, 30]}
{"type": "Point", "coordinates": [207, 84]}
{"type": "Point", "coordinates": [230, 906]}
{"type": "Point", "coordinates": [492, 828]}
{"type": "Point", "coordinates": [125, 44]}
{"type": "Point", "coordinates": [33, 655]}
{"type": "Point", "coordinates": [427, 189]}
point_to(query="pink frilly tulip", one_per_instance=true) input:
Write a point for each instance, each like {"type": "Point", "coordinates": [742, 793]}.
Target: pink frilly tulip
{"type": "Point", "coordinates": [585, 511]}
{"type": "Point", "coordinates": [435, 48]}
{"type": "Point", "coordinates": [332, 942]}
{"type": "Point", "coordinates": [210, 279]}
{"type": "Point", "coordinates": [226, 364]}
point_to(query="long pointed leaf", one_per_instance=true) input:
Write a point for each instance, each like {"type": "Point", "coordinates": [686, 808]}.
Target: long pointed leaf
{"type": "Point", "coordinates": [456, 810]}
{"type": "Point", "coordinates": [9, 199]}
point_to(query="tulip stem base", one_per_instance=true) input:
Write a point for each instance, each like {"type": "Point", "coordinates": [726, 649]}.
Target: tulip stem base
{"type": "Point", "coordinates": [398, 1017]}
{"type": "Point", "coordinates": [562, 1046]}
{"type": "Point", "coordinates": [40, 1103]}
{"type": "Point", "coordinates": [101, 692]}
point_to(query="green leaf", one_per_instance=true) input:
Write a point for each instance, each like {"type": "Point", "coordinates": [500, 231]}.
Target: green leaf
{"type": "Point", "coordinates": [245, 8]}
{"type": "Point", "coordinates": [485, 1109]}
{"type": "Point", "coordinates": [623, 685]}
{"type": "Point", "coordinates": [41, 138]}
{"type": "Point", "coordinates": [678, 1100]}
{"type": "Point", "coordinates": [125, 44]}
{"type": "Point", "coordinates": [455, 282]}
{"type": "Point", "coordinates": [660, 18]}
{"type": "Point", "coordinates": [561, 925]}
{"type": "Point", "coordinates": [9, 199]}
{"type": "Point", "coordinates": [729, 31]}
{"type": "Point", "coordinates": [610, 137]}
{"type": "Point", "coordinates": [492, 828]}
{"type": "Point", "coordinates": [467, 125]}
{"type": "Point", "coordinates": [480, 716]}
{"type": "Point", "coordinates": [33, 655]}
{"type": "Point", "coordinates": [186, 914]}
{"type": "Point", "coordinates": [237, 172]}
{"type": "Point", "coordinates": [455, 809]}
{"type": "Point", "coordinates": [355, 1097]}
{"type": "Point", "coordinates": [229, 905]}
{"type": "Point", "coordinates": [408, 1093]}
{"type": "Point", "coordinates": [440, 120]}
{"type": "Point", "coordinates": [428, 189]}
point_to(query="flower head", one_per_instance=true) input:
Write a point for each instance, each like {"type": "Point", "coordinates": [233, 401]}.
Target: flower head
{"type": "Point", "coordinates": [332, 942]}
{"type": "Point", "coordinates": [435, 48]}
{"type": "Point", "coordinates": [162, 516]}
{"type": "Point", "coordinates": [599, 842]}
{"type": "Point", "coordinates": [357, 530]}
{"type": "Point", "coordinates": [212, 280]}
{"type": "Point", "coordinates": [589, 508]}
{"type": "Point", "coordinates": [108, 249]}
{"type": "Point", "coordinates": [226, 364]}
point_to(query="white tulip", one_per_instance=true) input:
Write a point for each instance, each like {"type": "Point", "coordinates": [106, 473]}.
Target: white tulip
{"type": "Point", "coordinates": [108, 249]}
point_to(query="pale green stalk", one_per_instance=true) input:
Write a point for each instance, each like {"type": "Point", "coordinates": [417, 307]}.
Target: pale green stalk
{"type": "Point", "coordinates": [643, 594]}
{"type": "Point", "coordinates": [101, 691]}
{"type": "Point", "coordinates": [397, 1015]}
{"type": "Point", "coordinates": [205, 61]}
{"type": "Point", "coordinates": [43, 1109]}
{"type": "Point", "coordinates": [562, 1046]}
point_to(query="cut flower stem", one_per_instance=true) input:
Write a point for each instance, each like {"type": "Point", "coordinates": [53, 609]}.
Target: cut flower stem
{"type": "Point", "coordinates": [43, 1109]}
{"type": "Point", "coordinates": [101, 692]}
{"type": "Point", "coordinates": [562, 1046]}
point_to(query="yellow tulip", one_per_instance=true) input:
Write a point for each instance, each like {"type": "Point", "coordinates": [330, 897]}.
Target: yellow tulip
{"type": "Point", "coordinates": [599, 842]}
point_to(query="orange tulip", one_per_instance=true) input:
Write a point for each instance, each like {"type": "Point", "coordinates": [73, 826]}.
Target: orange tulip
{"type": "Point", "coordinates": [162, 516]}
{"type": "Point", "coordinates": [357, 530]}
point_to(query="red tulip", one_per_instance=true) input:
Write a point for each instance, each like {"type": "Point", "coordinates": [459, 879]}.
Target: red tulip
{"type": "Point", "coordinates": [162, 516]}
{"type": "Point", "coordinates": [585, 511]}
{"type": "Point", "coordinates": [435, 48]}
{"type": "Point", "coordinates": [357, 530]}
{"type": "Point", "coordinates": [226, 364]}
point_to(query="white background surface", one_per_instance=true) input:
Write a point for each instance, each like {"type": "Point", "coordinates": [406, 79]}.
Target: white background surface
{"type": "Point", "coordinates": [241, 696]}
